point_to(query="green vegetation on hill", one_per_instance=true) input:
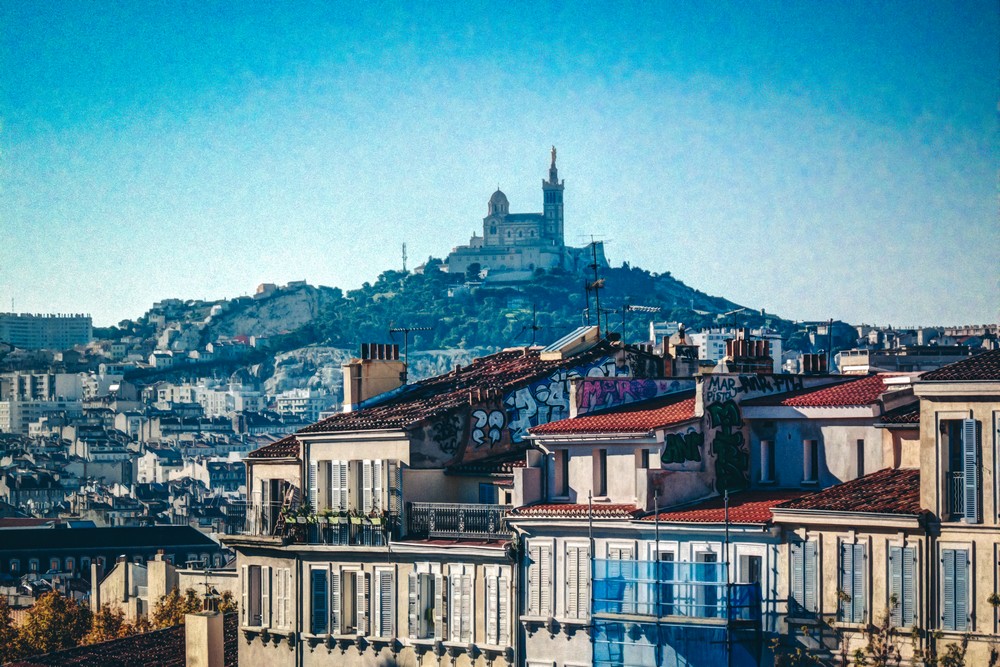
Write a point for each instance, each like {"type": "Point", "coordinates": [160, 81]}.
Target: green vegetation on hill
{"type": "Point", "coordinates": [461, 314]}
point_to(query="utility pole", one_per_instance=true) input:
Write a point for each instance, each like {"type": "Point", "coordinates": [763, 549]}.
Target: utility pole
{"type": "Point", "coordinates": [406, 347]}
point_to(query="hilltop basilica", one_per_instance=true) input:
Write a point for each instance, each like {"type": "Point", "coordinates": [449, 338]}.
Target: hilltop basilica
{"type": "Point", "coordinates": [514, 245]}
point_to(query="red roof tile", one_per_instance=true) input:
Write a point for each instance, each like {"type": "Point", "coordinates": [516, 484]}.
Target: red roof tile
{"type": "Point", "coordinates": [579, 511]}
{"type": "Point", "coordinates": [983, 366]}
{"type": "Point", "coordinates": [907, 415]}
{"type": "Point", "coordinates": [500, 372]}
{"type": "Point", "coordinates": [889, 491]}
{"type": "Point", "coordinates": [862, 391]}
{"type": "Point", "coordinates": [747, 507]}
{"type": "Point", "coordinates": [634, 418]}
{"type": "Point", "coordinates": [286, 447]}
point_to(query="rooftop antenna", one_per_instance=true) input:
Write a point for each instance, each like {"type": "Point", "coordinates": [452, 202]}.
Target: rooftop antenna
{"type": "Point", "coordinates": [534, 323]}
{"type": "Point", "coordinates": [635, 308]}
{"type": "Point", "coordinates": [597, 285]}
{"type": "Point", "coordinates": [404, 258]}
{"type": "Point", "coordinates": [406, 347]}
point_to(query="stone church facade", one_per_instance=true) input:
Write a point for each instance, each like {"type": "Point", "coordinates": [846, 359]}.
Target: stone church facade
{"type": "Point", "coordinates": [514, 245]}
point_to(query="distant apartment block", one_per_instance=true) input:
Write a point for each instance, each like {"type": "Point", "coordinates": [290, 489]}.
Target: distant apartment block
{"type": "Point", "coordinates": [45, 331]}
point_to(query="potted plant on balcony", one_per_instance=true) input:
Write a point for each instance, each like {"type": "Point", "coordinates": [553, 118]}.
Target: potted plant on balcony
{"type": "Point", "coordinates": [355, 517]}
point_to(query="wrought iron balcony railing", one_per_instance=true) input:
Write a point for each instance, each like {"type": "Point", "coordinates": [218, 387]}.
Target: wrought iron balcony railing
{"type": "Point", "coordinates": [458, 520]}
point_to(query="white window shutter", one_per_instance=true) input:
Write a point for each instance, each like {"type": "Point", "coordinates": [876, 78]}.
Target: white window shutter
{"type": "Point", "coordinates": [279, 598]}
{"type": "Point", "coordinates": [378, 470]}
{"type": "Point", "coordinates": [362, 604]}
{"type": "Point", "coordinates": [455, 629]}
{"type": "Point", "coordinates": [440, 604]}
{"type": "Point", "coordinates": [246, 595]}
{"type": "Point", "coordinates": [367, 484]}
{"type": "Point", "coordinates": [466, 613]}
{"type": "Point", "coordinates": [333, 490]}
{"type": "Point", "coordinates": [970, 452]}
{"type": "Point", "coordinates": [386, 604]}
{"type": "Point", "coordinates": [335, 625]}
{"type": "Point", "coordinates": [545, 581]}
{"type": "Point", "coordinates": [395, 485]}
{"type": "Point", "coordinates": [909, 595]}
{"type": "Point", "coordinates": [896, 590]}
{"type": "Point", "coordinates": [503, 610]}
{"type": "Point", "coordinates": [492, 610]}
{"type": "Point", "coordinates": [809, 576]}
{"type": "Point", "coordinates": [534, 581]}
{"type": "Point", "coordinates": [798, 572]}
{"type": "Point", "coordinates": [858, 594]}
{"type": "Point", "coordinates": [265, 596]}
{"type": "Point", "coordinates": [414, 619]}
{"type": "Point", "coordinates": [572, 581]}
{"type": "Point", "coordinates": [313, 488]}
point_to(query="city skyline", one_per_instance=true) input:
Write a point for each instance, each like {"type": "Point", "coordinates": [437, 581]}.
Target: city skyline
{"type": "Point", "coordinates": [814, 161]}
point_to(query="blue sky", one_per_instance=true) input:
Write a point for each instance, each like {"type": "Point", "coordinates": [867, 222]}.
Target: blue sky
{"type": "Point", "coordinates": [814, 159]}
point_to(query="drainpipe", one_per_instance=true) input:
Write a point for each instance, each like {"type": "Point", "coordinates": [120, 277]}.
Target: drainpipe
{"type": "Point", "coordinates": [299, 655]}
{"type": "Point", "coordinates": [518, 559]}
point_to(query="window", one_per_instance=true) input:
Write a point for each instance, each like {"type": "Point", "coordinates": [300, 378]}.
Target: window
{"type": "Point", "coordinates": [370, 486]}
{"type": "Point", "coordinates": [803, 584]}
{"type": "Point", "coordinates": [810, 460]}
{"type": "Point", "coordinates": [903, 585]}
{"type": "Point", "coordinates": [282, 597]}
{"type": "Point", "coordinates": [54, 564]}
{"type": "Point", "coordinates": [33, 565]}
{"type": "Point", "coordinates": [665, 589]}
{"type": "Point", "coordinates": [461, 579]}
{"type": "Point", "coordinates": [15, 565]}
{"type": "Point", "coordinates": [861, 458]}
{"type": "Point", "coordinates": [562, 472]}
{"type": "Point", "coordinates": [383, 607]}
{"type": "Point", "coordinates": [642, 459]}
{"type": "Point", "coordinates": [498, 606]}
{"type": "Point", "coordinates": [710, 592]}
{"type": "Point", "coordinates": [961, 439]}
{"type": "Point", "coordinates": [539, 580]}
{"type": "Point", "coordinates": [338, 486]}
{"type": "Point", "coordinates": [426, 605]}
{"type": "Point", "coordinates": [253, 598]}
{"type": "Point", "coordinates": [70, 564]}
{"type": "Point", "coordinates": [319, 621]}
{"type": "Point", "coordinates": [600, 472]}
{"type": "Point", "coordinates": [750, 569]}
{"type": "Point", "coordinates": [852, 583]}
{"type": "Point", "coordinates": [352, 605]}
{"type": "Point", "coordinates": [625, 571]}
{"type": "Point", "coordinates": [487, 493]}
{"type": "Point", "coordinates": [767, 460]}
{"type": "Point", "coordinates": [577, 581]}
{"type": "Point", "coordinates": [955, 590]}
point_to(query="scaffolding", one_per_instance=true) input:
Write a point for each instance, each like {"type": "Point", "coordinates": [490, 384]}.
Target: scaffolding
{"type": "Point", "coordinates": [672, 614]}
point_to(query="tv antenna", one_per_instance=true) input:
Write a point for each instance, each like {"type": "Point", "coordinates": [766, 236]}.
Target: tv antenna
{"type": "Point", "coordinates": [597, 285]}
{"type": "Point", "coordinates": [406, 347]}
{"type": "Point", "coordinates": [404, 258]}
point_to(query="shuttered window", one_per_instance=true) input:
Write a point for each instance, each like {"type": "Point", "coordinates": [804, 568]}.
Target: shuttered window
{"type": "Point", "coordinates": [384, 626]}
{"type": "Point", "coordinates": [852, 582]}
{"type": "Point", "coordinates": [540, 580]}
{"type": "Point", "coordinates": [282, 594]}
{"type": "Point", "coordinates": [314, 485]}
{"type": "Point", "coordinates": [903, 585]}
{"type": "Point", "coordinates": [338, 486]}
{"type": "Point", "coordinates": [440, 606]}
{"type": "Point", "coordinates": [577, 582]}
{"type": "Point", "coordinates": [625, 569]}
{"type": "Point", "coordinates": [970, 470]}
{"type": "Point", "coordinates": [367, 485]}
{"type": "Point", "coordinates": [461, 580]}
{"type": "Point", "coordinates": [335, 606]}
{"type": "Point", "coordinates": [265, 596]}
{"type": "Point", "coordinates": [319, 619]}
{"type": "Point", "coordinates": [955, 590]}
{"type": "Point", "coordinates": [361, 582]}
{"type": "Point", "coordinates": [803, 574]}
{"type": "Point", "coordinates": [395, 477]}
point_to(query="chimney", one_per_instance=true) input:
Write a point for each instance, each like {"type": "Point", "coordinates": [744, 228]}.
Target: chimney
{"type": "Point", "coordinates": [378, 371]}
{"type": "Point", "coordinates": [203, 639]}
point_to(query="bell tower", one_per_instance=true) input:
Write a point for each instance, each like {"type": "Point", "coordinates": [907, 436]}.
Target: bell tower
{"type": "Point", "coordinates": [552, 191]}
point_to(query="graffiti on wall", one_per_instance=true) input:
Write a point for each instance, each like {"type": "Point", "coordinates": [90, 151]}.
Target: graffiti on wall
{"type": "Point", "coordinates": [721, 388]}
{"type": "Point", "coordinates": [548, 400]}
{"type": "Point", "coordinates": [487, 428]}
{"type": "Point", "coordinates": [448, 431]}
{"type": "Point", "coordinates": [682, 447]}
{"type": "Point", "coordinates": [732, 460]}
{"type": "Point", "coordinates": [597, 394]}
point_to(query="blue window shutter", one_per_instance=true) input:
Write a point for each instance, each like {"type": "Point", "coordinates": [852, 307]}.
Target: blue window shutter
{"type": "Point", "coordinates": [846, 583]}
{"type": "Point", "coordinates": [809, 576]}
{"type": "Point", "coordinates": [961, 590]}
{"type": "Point", "coordinates": [908, 598]}
{"type": "Point", "coordinates": [797, 575]}
{"type": "Point", "coordinates": [319, 606]}
{"type": "Point", "coordinates": [896, 588]}
{"type": "Point", "coordinates": [858, 590]}
{"type": "Point", "coordinates": [948, 589]}
{"type": "Point", "coordinates": [970, 458]}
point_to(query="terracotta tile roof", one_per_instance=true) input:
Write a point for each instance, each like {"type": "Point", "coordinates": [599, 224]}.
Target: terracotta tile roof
{"type": "Point", "coordinates": [889, 491]}
{"type": "Point", "coordinates": [579, 511]}
{"type": "Point", "coordinates": [286, 447]}
{"type": "Point", "coordinates": [503, 464]}
{"type": "Point", "coordinates": [907, 415]}
{"type": "Point", "coordinates": [500, 373]}
{"type": "Point", "coordinates": [855, 392]}
{"type": "Point", "coordinates": [983, 366]}
{"type": "Point", "coordinates": [633, 418]}
{"type": "Point", "coordinates": [748, 507]}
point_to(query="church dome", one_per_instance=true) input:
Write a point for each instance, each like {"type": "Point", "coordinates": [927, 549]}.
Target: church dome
{"type": "Point", "coordinates": [499, 203]}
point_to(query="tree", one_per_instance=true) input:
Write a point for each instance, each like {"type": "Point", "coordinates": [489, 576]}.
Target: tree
{"type": "Point", "coordinates": [227, 603]}
{"type": "Point", "coordinates": [54, 623]}
{"type": "Point", "coordinates": [107, 624]}
{"type": "Point", "coordinates": [11, 646]}
{"type": "Point", "coordinates": [171, 608]}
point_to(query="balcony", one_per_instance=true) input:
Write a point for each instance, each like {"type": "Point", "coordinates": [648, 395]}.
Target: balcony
{"type": "Point", "coordinates": [269, 520]}
{"type": "Point", "coordinates": [955, 488]}
{"type": "Point", "coordinates": [458, 520]}
{"type": "Point", "coordinates": [672, 593]}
